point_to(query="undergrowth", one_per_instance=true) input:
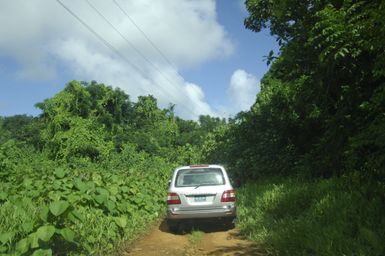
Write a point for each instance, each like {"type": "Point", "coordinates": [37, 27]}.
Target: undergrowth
{"type": "Point", "coordinates": [337, 216]}
{"type": "Point", "coordinates": [195, 236]}
{"type": "Point", "coordinates": [82, 208]}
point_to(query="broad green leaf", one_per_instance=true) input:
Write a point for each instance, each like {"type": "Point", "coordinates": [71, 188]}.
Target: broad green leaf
{"type": "Point", "coordinates": [88, 248]}
{"type": "Point", "coordinates": [58, 207]}
{"type": "Point", "coordinates": [34, 193]}
{"type": "Point", "coordinates": [43, 214]}
{"type": "Point", "coordinates": [6, 237]}
{"type": "Point", "coordinates": [114, 178]}
{"type": "Point", "coordinates": [60, 172]}
{"type": "Point", "coordinates": [21, 202]}
{"type": "Point", "coordinates": [100, 198]}
{"type": "Point", "coordinates": [78, 215]}
{"type": "Point", "coordinates": [102, 191]}
{"type": "Point", "coordinates": [3, 249]}
{"type": "Point", "coordinates": [72, 218]}
{"type": "Point", "coordinates": [3, 195]}
{"type": "Point", "coordinates": [54, 195]}
{"type": "Point", "coordinates": [67, 234]}
{"type": "Point", "coordinates": [27, 226]}
{"type": "Point", "coordinates": [73, 198]}
{"type": "Point", "coordinates": [91, 239]}
{"type": "Point", "coordinates": [110, 205]}
{"type": "Point", "coordinates": [57, 184]}
{"type": "Point", "coordinates": [67, 184]}
{"type": "Point", "coordinates": [45, 233]}
{"type": "Point", "coordinates": [22, 246]}
{"type": "Point", "coordinates": [42, 252]}
{"type": "Point", "coordinates": [90, 185]}
{"type": "Point", "coordinates": [148, 207]}
{"type": "Point", "coordinates": [124, 188]}
{"type": "Point", "coordinates": [97, 179]}
{"type": "Point", "coordinates": [27, 182]}
{"type": "Point", "coordinates": [34, 240]}
{"type": "Point", "coordinates": [121, 221]}
{"type": "Point", "coordinates": [80, 185]}
{"type": "Point", "coordinates": [114, 190]}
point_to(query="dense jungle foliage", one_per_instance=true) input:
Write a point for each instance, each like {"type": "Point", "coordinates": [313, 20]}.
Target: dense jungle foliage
{"type": "Point", "coordinates": [319, 121]}
{"type": "Point", "coordinates": [91, 171]}
{"type": "Point", "coordinates": [320, 111]}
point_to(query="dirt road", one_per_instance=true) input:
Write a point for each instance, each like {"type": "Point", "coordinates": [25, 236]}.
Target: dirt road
{"type": "Point", "coordinates": [197, 239]}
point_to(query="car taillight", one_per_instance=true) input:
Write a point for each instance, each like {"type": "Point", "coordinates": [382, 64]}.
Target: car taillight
{"type": "Point", "coordinates": [173, 198]}
{"type": "Point", "coordinates": [228, 196]}
{"type": "Point", "coordinates": [198, 166]}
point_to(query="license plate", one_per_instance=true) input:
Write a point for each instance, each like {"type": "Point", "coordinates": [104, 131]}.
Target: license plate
{"type": "Point", "coordinates": [200, 198]}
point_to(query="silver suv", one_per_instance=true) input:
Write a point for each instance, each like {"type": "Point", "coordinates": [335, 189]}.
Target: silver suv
{"type": "Point", "coordinates": [200, 192]}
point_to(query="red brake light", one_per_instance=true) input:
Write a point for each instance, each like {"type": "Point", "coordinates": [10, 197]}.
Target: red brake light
{"type": "Point", "coordinates": [228, 196]}
{"type": "Point", "coordinates": [173, 198]}
{"type": "Point", "coordinates": [198, 166]}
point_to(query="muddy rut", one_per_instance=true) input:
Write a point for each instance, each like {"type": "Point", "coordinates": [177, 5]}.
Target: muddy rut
{"type": "Point", "coordinates": [214, 239]}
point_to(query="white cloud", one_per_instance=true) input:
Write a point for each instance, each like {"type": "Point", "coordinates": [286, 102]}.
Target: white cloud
{"type": "Point", "coordinates": [41, 36]}
{"type": "Point", "coordinates": [167, 86]}
{"type": "Point", "coordinates": [242, 90]}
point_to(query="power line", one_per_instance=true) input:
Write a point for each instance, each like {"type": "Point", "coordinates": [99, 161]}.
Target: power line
{"type": "Point", "coordinates": [145, 35]}
{"type": "Point", "coordinates": [105, 42]}
{"type": "Point", "coordinates": [138, 52]}
{"type": "Point", "coordinates": [152, 44]}
{"type": "Point", "coordinates": [132, 45]}
{"type": "Point", "coordinates": [111, 47]}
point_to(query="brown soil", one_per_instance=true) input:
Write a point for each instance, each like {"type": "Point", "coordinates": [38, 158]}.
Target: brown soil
{"type": "Point", "coordinates": [216, 240]}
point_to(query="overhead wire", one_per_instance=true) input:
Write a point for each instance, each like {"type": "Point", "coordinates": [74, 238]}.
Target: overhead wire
{"type": "Point", "coordinates": [137, 51]}
{"type": "Point", "coordinates": [128, 41]}
{"type": "Point", "coordinates": [145, 35]}
{"type": "Point", "coordinates": [111, 47]}
{"type": "Point", "coordinates": [105, 42]}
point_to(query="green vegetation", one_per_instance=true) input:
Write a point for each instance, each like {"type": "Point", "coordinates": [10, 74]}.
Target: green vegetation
{"type": "Point", "coordinates": [319, 217]}
{"type": "Point", "coordinates": [90, 172]}
{"type": "Point", "coordinates": [313, 142]}
{"type": "Point", "coordinates": [87, 210]}
{"type": "Point", "coordinates": [320, 111]}
{"type": "Point", "coordinates": [195, 236]}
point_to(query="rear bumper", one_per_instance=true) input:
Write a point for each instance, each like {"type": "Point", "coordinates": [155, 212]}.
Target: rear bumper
{"type": "Point", "coordinates": [178, 213]}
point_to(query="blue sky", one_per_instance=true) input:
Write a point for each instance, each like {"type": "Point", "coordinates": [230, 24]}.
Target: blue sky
{"type": "Point", "coordinates": [216, 62]}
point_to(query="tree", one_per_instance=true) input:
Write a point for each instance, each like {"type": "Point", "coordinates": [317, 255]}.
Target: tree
{"type": "Point", "coordinates": [319, 103]}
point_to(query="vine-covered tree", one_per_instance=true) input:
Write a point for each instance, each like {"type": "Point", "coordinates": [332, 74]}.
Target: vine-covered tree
{"type": "Point", "coordinates": [320, 111]}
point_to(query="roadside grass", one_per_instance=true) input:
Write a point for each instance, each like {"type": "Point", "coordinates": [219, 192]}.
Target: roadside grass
{"type": "Point", "coordinates": [195, 236]}
{"type": "Point", "coordinates": [337, 216]}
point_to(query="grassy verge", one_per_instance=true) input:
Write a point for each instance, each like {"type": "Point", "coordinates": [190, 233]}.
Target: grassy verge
{"type": "Point", "coordinates": [337, 216]}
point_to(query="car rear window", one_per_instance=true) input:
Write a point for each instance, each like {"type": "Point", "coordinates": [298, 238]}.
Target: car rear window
{"type": "Point", "coordinates": [199, 177]}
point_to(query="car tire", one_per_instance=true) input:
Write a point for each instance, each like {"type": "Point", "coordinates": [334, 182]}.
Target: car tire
{"type": "Point", "coordinates": [173, 226]}
{"type": "Point", "coordinates": [230, 223]}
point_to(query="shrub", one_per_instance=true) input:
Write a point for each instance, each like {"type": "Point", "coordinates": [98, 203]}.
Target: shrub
{"type": "Point", "coordinates": [46, 208]}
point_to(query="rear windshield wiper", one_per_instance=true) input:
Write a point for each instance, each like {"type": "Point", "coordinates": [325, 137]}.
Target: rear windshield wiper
{"type": "Point", "coordinates": [197, 186]}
